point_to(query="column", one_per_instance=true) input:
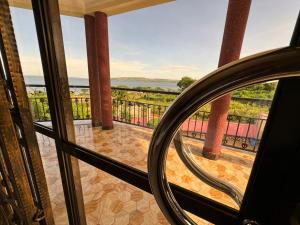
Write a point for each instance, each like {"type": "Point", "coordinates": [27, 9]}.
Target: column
{"type": "Point", "coordinates": [236, 20]}
{"type": "Point", "coordinates": [101, 30]}
{"type": "Point", "coordinates": [94, 80]}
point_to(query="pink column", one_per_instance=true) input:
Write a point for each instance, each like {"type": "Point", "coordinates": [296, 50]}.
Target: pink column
{"type": "Point", "coordinates": [236, 20]}
{"type": "Point", "coordinates": [101, 30]}
{"type": "Point", "coordinates": [94, 80]}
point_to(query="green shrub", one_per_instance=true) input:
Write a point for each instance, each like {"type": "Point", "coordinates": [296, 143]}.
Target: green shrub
{"type": "Point", "coordinates": [153, 122]}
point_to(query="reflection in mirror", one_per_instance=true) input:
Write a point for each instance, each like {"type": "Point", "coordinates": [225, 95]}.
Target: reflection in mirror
{"type": "Point", "coordinates": [224, 178]}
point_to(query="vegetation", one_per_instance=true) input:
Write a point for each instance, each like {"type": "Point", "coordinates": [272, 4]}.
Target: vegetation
{"type": "Point", "coordinates": [263, 91]}
{"type": "Point", "coordinates": [153, 122]}
{"type": "Point", "coordinates": [258, 91]}
{"type": "Point", "coordinates": [247, 109]}
{"type": "Point", "coordinates": [144, 97]}
{"type": "Point", "coordinates": [156, 103]}
{"type": "Point", "coordinates": [185, 82]}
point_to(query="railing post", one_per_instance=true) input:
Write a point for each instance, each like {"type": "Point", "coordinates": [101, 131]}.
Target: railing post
{"type": "Point", "coordinates": [237, 15]}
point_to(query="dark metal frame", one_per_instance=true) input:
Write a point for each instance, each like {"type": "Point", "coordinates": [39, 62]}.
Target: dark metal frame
{"type": "Point", "coordinates": [12, 78]}
{"type": "Point", "coordinates": [199, 205]}
{"type": "Point", "coordinates": [192, 202]}
{"type": "Point", "coordinates": [272, 65]}
{"type": "Point", "coordinates": [272, 194]}
{"type": "Point", "coordinates": [273, 188]}
{"type": "Point", "coordinates": [275, 175]}
{"type": "Point", "coordinates": [185, 154]}
{"type": "Point", "coordinates": [43, 12]}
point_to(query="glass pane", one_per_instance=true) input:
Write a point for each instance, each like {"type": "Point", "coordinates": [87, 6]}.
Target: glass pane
{"type": "Point", "coordinates": [53, 178]}
{"type": "Point", "coordinates": [136, 113]}
{"type": "Point", "coordinates": [29, 53]}
{"type": "Point", "coordinates": [233, 137]}
{"type": "Point", "coordinates": [110, 201]}
{"type": "Point", "coordinates": [125, 143]}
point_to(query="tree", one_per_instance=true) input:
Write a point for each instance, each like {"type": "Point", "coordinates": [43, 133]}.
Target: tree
{"type": "Point", "coordinates": [185, 82]}
{"type": "Point", "coordinates": [120, 94]}
{"type": "Point", "coordinates": [262, 90]}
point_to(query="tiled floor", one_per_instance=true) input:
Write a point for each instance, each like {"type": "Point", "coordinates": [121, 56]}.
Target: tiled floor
{"type": "Point", "coordinates": [109, 200]}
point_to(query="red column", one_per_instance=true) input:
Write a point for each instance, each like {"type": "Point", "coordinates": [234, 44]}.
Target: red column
{"type": "Point", "coordinates": [101, 30]}
{"type": "Point", "coordinates": [236, 20]}
{"type": "Point", "coordinates": [94, 80]}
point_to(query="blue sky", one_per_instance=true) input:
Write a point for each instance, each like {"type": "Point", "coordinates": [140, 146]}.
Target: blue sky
{"type": "Point", "coordinates": [166, 41]}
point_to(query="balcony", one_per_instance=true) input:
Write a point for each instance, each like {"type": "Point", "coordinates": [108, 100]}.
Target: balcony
{"type": "Point", "coordinates": [100, 175]}
{"type": "Point", "coordinates": [144, 108]}
{"type": "Point", "coordinates": [111, 201]}
{"type": "Point", "coordinates": [136, 113]}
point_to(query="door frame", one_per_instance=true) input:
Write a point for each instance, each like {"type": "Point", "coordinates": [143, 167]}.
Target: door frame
{"type": "Point", "coordinates": [285, 107]}
{"type": "Point", "coordinates": [272, 192]}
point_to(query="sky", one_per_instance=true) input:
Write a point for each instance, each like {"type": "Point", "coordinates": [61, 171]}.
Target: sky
{"type": "Point", "coordinates": [180, 38]}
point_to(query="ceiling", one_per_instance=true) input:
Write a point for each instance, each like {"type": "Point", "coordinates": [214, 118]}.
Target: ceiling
{"type": "Point", "coordinates": [79, 8]}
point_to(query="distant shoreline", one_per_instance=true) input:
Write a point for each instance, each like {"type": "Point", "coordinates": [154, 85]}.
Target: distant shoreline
{"type": "Point", "coordinates": [131, 82]}
{"type": "Point", "coordinates": [143, 78]}
{"type": "Point", "coordinates": [112, 78]}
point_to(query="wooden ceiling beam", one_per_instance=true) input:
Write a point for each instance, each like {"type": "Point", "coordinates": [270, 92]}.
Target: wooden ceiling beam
{"type": "Point", "coordinates": [79, 8]}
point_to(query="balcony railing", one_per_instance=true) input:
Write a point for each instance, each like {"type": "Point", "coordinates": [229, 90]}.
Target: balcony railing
{"type": "Point", "coordinates": [241, 132]}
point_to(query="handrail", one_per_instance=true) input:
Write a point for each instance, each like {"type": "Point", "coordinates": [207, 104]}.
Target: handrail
{"type": "Point", "coordinates": [132, 112]}
{"type": "Point", "coordinates": [268, 101]}
{"type": "Point", "coordinates": [71, 86]}
{"type": "Point", "coordinates": [115, 88]}
{"type": "Point", "coordinates": [146, 91]}
{"type": "Point", "coordinates": [267, 66]}
{"type": "Point", "coordinates": [185, 155]}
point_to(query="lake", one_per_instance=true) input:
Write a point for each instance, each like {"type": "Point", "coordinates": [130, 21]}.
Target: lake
{"type": "Point", "coordinates": [130, 82]}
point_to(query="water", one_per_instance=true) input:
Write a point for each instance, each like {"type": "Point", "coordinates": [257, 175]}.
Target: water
{"type": "Point", "coordinates": [130, 82]}
{"type": "Point", "coordinates": [164, 84]}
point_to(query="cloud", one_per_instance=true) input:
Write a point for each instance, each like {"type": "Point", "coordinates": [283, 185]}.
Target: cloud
{"type": "Point", "coordinates": [77, 67]}
{"type": "Point", "coordinates": [180, 70]}
{"type": "Point", "coordinates": [117, 47]}
{"type": "Point", "coordinates": [124, 68]}
{"type": "Point", "coordinates": [31, 65]}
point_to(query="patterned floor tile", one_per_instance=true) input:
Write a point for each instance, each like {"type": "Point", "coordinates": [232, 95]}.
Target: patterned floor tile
{"type": "Point", "coordinates": [110, 201]}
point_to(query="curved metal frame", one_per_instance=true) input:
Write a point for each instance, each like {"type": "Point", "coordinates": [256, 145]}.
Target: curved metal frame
{"type": "Point", "coordinates": [185, 155]}
{"type": "Point", "coordinates": [271, 65]}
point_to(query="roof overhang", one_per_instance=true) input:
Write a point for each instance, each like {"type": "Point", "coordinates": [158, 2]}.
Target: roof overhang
{"type": "Point", "coordinates": [79, 8]}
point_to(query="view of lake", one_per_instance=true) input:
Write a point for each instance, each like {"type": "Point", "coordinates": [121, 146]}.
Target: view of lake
{"type": "Point", "coordinates": [130, 82]}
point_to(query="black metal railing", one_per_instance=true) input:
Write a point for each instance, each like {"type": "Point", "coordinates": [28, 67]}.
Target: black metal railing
{"type": "Point", "coordinates": [39, 108]}
{"type": "Point", "coordinates": [137, 113]}
{"type": "Point", "coordinates": [241, 132]}
{"type": "Point", "coordinates": [81, 108]}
